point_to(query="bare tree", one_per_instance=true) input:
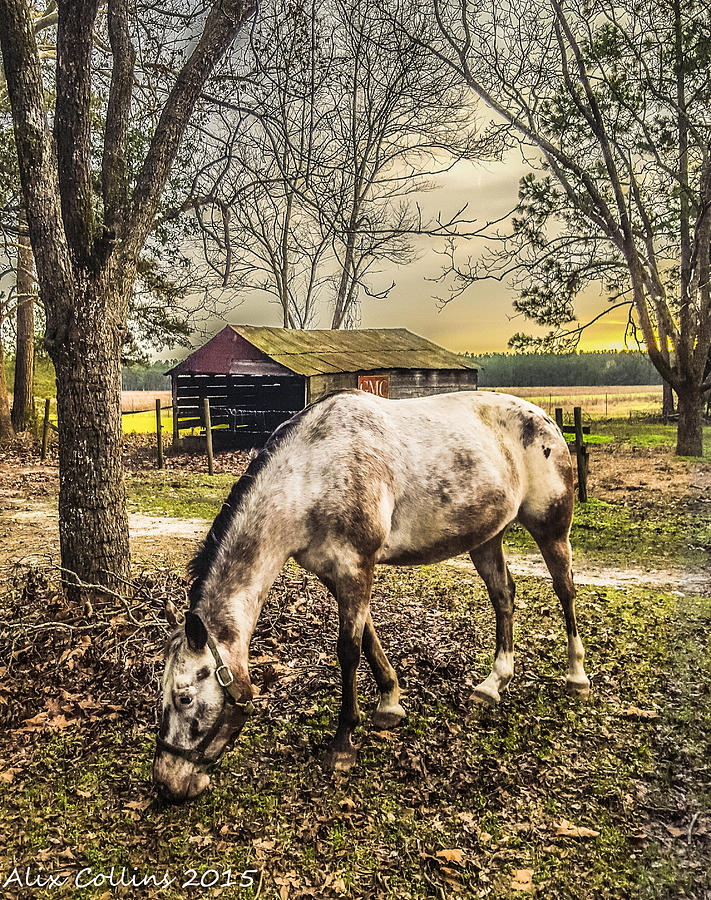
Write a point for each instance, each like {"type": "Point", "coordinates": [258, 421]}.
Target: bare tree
{"type": "Point", "coordinates": [615, 97]}
{"type": "Point", "coordinates": [86, 258]}
{"type": "Point", "coordinates": [400, 119]}
{"type": "Point", "coordinates": [315, 158]}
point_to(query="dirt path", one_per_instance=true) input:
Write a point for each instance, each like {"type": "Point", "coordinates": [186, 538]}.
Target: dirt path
{"type": "Point", "coordinates": [33, 531]}
{"type": "Point", "coordinates": [677, 581]}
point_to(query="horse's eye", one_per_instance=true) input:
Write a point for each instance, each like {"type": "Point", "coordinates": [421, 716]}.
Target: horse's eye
{"type": "Point", "coordinates": [203, 673]}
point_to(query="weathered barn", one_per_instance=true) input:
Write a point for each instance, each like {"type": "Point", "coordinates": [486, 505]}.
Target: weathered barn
{"type": "Point", "coordinates": [256, 378]}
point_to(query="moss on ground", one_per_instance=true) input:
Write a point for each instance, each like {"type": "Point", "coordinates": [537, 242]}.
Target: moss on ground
{"type": "Point", "coordinates": [191, 495]}
{"type": "Point", "coordinates": [595, 799]}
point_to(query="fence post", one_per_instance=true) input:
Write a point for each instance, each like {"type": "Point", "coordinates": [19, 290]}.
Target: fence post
{"type": "Point", "coordinates": [159, 434]}
{"type": "Point", "coordinates": [581, 451]}
{"type": "Point", "coordinates": [208, 436]}
{"type": "Point", "coordinates": [176, 431]}
{"type": "Point", "coordinates": [45, 430]}
{"type": "Point", "coordinates": [559, 418]}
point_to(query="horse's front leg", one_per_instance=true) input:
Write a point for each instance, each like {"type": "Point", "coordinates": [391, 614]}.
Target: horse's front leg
{"type": "Point", "coordinates": [353, 595]}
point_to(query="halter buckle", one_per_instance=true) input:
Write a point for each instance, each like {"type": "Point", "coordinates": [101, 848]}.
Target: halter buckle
{"type": "Point", "coordinates": [219, 677]}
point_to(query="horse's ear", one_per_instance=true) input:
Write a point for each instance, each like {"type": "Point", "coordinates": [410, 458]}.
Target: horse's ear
{"type": "Point", "coordinates": [195, 631]}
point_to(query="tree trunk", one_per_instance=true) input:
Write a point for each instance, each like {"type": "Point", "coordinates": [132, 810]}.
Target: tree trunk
{"type": "Point", "coordinates": [667, 401]}
{"type": "Point", "coordinates": [689, 436]}
{"type": "Point", "coordinates": [340, 307]}
{"type": "Point", "coordinates": [93, 523]}
{"type": "Point", "coordinates": [6, 429]}
{"type": "Point", "coordinates": [23, 402]}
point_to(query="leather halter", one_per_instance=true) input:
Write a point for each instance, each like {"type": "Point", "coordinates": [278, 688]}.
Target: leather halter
{"type": "Point", "coordinates": [230, 698]}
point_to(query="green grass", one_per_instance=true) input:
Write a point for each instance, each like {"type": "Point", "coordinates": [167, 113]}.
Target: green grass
{"type": "Point", "coordinates": [642, 434]}
{"type": "Point", "coordinates": [493, 783]}
{"type": "Point", "coordinates": [178, 493]}
{"type": "Point", "coordinates": [612, 533]}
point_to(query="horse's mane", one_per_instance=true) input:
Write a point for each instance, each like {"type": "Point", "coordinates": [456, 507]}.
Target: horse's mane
{"type": "Point", "coordinates": [200, 564]}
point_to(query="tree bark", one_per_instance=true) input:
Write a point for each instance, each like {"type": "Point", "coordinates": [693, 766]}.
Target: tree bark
{"type": "Point", "coordinates": [690, 429]}
{"type": "Point", "coordinates": [667, 400]}
{"type": "Point", "coordinates": [341, 304]}
{"type": "Point", "coordinates": [23, 402]}
{"type": "Point", "coordinates": [93, 523]}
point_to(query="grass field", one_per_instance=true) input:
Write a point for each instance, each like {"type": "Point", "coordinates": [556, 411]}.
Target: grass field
{"type": "Point", "coordinates": [598, 402]}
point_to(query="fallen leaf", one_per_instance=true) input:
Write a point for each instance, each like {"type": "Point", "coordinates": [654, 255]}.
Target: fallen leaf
{"type": "Point", "coordinates": [338, 885]}
{"type": "Point", "coordinates": [59, 722]}
{"type": "Point", "coordinates": [566, 829]}
{"type": "Point", "coordinates": [634, 712]}
{"type": "Point", "coordinates": [522, 880]}
{"type": "Point", "coordinates": [138, 805]}
{"type": "Point", "coordinates": [452, 856]}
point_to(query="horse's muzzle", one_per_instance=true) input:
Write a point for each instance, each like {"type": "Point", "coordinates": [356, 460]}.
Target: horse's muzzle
{"type": "Point", "coordinates": [177, 781]}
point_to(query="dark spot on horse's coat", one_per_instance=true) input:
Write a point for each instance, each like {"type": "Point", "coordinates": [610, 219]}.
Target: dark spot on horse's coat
{"type": "Point", "coordinates": [528, 430]}
{"type": "Point", "coordinates": [463, 460]}
{"type": "Point", "coordinates": [444, 496]}
{"type": "Point", "coordinates": [195, 730]}
{"type": "Point", "coordinates": [224, 632]}
{"type": "Point", "coordinates": [546, 451]}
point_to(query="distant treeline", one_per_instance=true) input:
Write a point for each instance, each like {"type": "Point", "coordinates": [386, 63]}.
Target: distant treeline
{"type": "Point", "coordinates": [498, 370]}
{"type": "Point", "coordinates": [565, 369]}
{"type": "Point", "coordinates": [148, 378]}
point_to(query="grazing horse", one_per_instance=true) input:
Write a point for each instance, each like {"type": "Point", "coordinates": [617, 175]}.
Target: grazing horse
{"type": "Point", "coordinates": [349, 482]}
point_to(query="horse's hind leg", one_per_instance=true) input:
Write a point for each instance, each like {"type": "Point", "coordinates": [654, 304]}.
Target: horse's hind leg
{"type": "Point", "coordinates": [389, 712]}
{"type": "Point", "coordinates": [490, 563]}
{"type": "Point", "coordinates": [558, 556]}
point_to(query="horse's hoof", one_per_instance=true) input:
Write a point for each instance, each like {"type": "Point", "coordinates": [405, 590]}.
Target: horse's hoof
{"type": "Point", "coordinates": [485, 698]}
{"type": "Point", "coordinates": [578, 686]}
{"type": "Point", "coordinates": [388, 717]}
{"type": "Point", "coordinates": [341, 760]}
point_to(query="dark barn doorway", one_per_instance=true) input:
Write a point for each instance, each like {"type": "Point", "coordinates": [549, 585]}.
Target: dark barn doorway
{"type": "Point", "coordinates": [244, 409]}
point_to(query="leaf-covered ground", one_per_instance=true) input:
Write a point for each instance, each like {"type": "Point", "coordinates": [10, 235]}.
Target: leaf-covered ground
{"type": "Point", "coordinates": [599, 799]}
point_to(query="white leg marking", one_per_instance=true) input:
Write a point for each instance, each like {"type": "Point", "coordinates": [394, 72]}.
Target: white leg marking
{"type": "Point", "coordinates": [389, 712]}
{"type": "Point", "coordinates": [577, 681]}
{"type": "Point", "coordinates": [501, 674]}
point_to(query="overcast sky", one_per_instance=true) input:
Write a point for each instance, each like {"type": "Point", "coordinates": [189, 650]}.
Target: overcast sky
{"type": "Point", "coordinates": [479, 320]}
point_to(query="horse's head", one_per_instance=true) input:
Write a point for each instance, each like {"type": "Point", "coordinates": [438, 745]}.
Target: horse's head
{"type": "Point", "coordinates": [205, 706]}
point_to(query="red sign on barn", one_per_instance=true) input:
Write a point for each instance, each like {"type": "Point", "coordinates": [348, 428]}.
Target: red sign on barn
{"type": "Point", "coordinates": [375, 384]}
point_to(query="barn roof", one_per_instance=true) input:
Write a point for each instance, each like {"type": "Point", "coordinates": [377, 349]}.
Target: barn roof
{"type": "Point", "coordinates": [323, 351]}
